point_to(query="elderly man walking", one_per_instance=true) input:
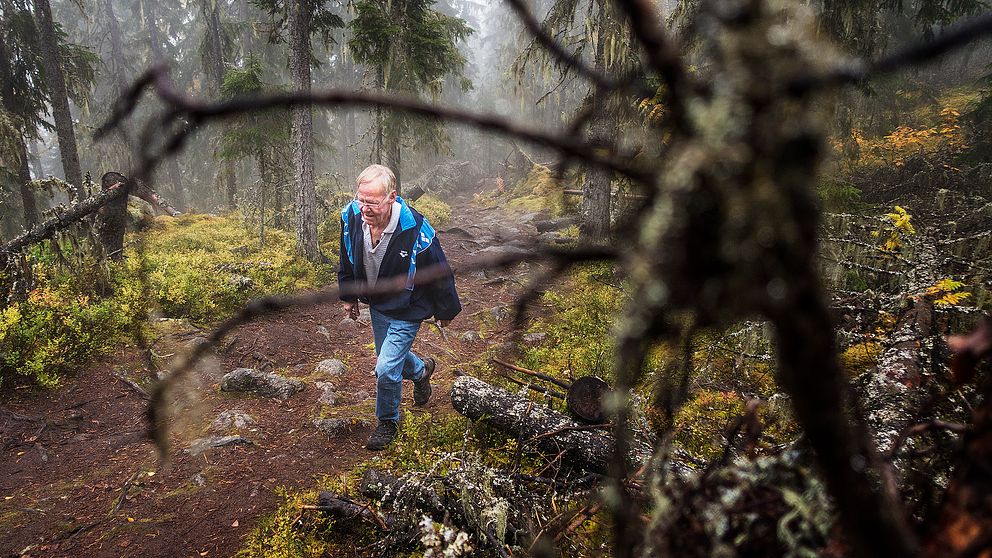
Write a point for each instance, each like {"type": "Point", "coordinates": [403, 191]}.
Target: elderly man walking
{"type": "Point", "coordinates": [382, 238]}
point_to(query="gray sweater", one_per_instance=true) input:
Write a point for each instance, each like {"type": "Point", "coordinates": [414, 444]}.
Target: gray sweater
{"type": "Point", "coordinates": [373, 256]}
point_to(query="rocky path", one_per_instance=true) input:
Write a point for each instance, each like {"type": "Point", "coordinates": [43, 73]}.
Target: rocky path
{"type": "Point", "coordinates": [78, 476]}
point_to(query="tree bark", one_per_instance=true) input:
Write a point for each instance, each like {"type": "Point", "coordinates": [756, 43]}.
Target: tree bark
{"type": "Point", "coordinates": [964, 527]}
{"type": "Point", "coordinates": [595, 208]}
{"type": "Point", "coordinates": [35, 154]}
{"type": "Point", "coordinates": [393, 160]}
{"type": "Point", "coordinates": [300, 14]}
{"type": "Point", "coordinates": [62, 221]}
{"type": "Point", "coordinates": [59, 96]}
{"type": "Point", "coordinates": [215, 70]}
{"type": "Point", "coordinates": [28, 201]}
{"type": "Point", "coordinates": [379, 116]}
{"type": "Point", "coordinates": [804, 337]}
{"type": "Point", "coordinates": [112, 216]}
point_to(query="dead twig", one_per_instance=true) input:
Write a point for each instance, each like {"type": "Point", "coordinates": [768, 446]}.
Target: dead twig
{"type": "Point", "coordinates": [545, 377]}
{"type": "Point", "coordinates": [124, 491]}
{"type": "Point", "coordinates": [132, 384]}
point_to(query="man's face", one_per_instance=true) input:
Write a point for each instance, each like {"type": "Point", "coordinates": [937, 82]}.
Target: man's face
{"type": "Point", "coordinates": [376, 207]}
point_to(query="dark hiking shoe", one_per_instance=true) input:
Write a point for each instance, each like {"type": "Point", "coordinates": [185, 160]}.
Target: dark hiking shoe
{"type": "Point", "coordinates": [384, 433]}
{"type": "Point", "coordinates": [422, 387]}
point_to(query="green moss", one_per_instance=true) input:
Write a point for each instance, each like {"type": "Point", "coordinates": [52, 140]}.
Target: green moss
{"type": "Point", "coordinates": [579, 326]}
{"type": "Point", "coordinates": [203, 267]}
{"type": "Point", "coordinates": [858, 358]}
{"type": "Point", "coordinates": [7, 519]}
{"type": "Point", "coordinates": [437, 212]}
{"type": "Point", "coordinates": [425, 443]}
{"type": "Point", "coordinates": [701, 423]}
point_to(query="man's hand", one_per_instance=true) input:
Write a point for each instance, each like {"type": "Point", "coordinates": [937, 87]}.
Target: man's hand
{"type": "Point", "coordinates": [351, 308]}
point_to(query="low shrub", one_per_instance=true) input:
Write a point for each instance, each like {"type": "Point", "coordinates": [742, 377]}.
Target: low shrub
{"type": "Point", "coordinates": [204, 267]}
{"type": "Point", "coordinates": [61, 325]}
{"type": "Point", "coordinates": [437, 212]}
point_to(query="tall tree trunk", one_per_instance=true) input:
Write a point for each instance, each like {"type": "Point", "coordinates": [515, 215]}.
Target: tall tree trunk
{"type": "Point", "coordinates": [595, 209]}
{"type": "Point", "coordinates": [118, 69]}
{"type": "Point", "coordinates": [215, 70]}
{"type": "Point", "coordinates": [379, 115]}
{"type": "Point", "coordinates": [177, 192]}
{"type": "Point", "coordinates": [348, 152]}
{"type": "Point", "coordinates": [27, 196]}
{"type": "Point", "coordinates": [300, 14]}
{"type": "Point", "coordinates": [393, 149]}
{"type": "Point", "coordinates": [247, 33]}
{"type": "Point", "coordinates": [35, 154]}
{"type": "Point", "coordinates": [60, 96]}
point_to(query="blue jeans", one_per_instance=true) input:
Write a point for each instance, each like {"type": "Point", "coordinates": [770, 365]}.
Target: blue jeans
{"type": "Point", "coordinates": [395, 362]}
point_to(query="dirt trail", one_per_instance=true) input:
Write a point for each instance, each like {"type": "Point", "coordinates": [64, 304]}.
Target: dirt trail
{"type": "Point", "coordinates": [78, 477]}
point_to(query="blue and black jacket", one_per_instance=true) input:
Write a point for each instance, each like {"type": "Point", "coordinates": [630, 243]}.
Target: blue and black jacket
{"type": "Point", "coordinates": [414, 244]}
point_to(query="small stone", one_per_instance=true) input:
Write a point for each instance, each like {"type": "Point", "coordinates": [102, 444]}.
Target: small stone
{"type": "Point", "coordinates": [471, 337]}
{"type": "Point", "coordinates": [265, 384]}
{"type": "Point", "coordinates": [233, 419]}
{"type": "Point", "coordinates": [240, 281]}
{"type": "Point", "coordinates": [362, 395]}
{"type": "Point", "coordinates": [201, 445]}
{"type": "Point", "coordinates": [500, 313]}
{"type": "Point", "coordinates": [195, 342]}
{"type": "Point", "coordinates": [364, 319]}
{"type": "Point", "coordinates": [199, 480]}
{"type": "Point", "coordinates": [328, 396]}
{"type": "Point", "coordinates": [535, 339]}
{"type": "Point", "coordinates": [502, 250]}
{"type": "Point", "coordinates": [506, 349]}
{"type": "Point", "coordinates": [321, 330]}
{"type": "Point", "coordinates": [330, 367]}
{"type": "Point", "coordinates": [334, 426]}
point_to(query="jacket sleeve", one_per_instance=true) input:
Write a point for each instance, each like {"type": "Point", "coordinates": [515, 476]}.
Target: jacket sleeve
{"type": "Point", "coordinates": [442, 291]}
{"type": "Point", "coordinates": [346, 270]}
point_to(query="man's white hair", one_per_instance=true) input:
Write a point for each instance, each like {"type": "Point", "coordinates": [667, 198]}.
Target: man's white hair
{"type": "Point", "coordinates": [380, 175]}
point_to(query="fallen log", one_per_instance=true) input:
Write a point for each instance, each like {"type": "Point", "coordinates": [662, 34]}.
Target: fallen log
{"type": "Point", "coordinates": [581, 446]}
{"type": "Point", "coordinates": [62, 220]}
{"type": "Point", "coordinates": [441, 178]}
{"type": "Point", "coordinates": [344, 508]}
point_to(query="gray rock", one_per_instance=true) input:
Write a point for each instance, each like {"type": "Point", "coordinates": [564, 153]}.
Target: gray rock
{"type": "Point", "coordinates": [506, 349]}
{"type": "Point", "coordinates": [334, 426]}
{"type": "Point", "coordinates": [500, 313]}
{"type": "Point", "coordinates": [330, 367]}
{"type": "Point", "coordinates": [324, 331]}
{"type": "Point", "coordinates": [201, 445]}
{"type": "Point", "coordinates": [240, 281]}
{"type": "Point", "coordinates": [503, 250]}
{"type": "Point", "coordinates": [328, 396]}
{"type": "Point", "coordinates": [364, 319]}
{"type": "Point", "coordinates": [196, 342]}
{"type": "Point", "coordinates": [471, 337]}
{"type": "Point", "coordinates": [199, 480]}
{"type": "Point", "coordinates": [265, 384]}
{"type": "Point", "coordinates": [233, 419]}
{"type": "Point", "coordinates": [535, 339]}
{"type": "Point", "coordinates": [528, 217]}
{"type": "Point", "coordinates": [362, 395]}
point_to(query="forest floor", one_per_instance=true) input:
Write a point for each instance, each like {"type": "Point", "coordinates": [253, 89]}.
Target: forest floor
{"type": "Point", "coordinates": [79, 476]}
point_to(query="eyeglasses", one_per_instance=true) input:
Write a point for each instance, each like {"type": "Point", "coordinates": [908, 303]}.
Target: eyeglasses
{"type": "Point", "coordinates": [364, 204]}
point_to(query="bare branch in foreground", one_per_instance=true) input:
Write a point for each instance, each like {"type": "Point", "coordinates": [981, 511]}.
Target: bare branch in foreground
{"type": "Point", "coordinates": [157, 408]}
